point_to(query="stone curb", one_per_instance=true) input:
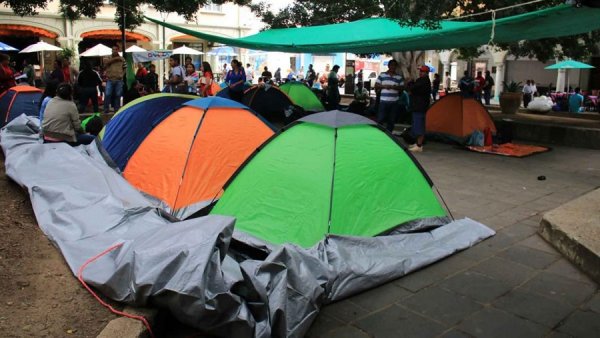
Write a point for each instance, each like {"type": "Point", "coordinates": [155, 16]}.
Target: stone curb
{"type": "Point", "coordinates": [124, 327]}
{"type": "Point", "coordinates": [574, 230]}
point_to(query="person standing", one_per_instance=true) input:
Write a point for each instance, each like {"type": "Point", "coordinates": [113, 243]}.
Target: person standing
{"type": "Point", "coordinates": [479, 83]}
{"type": "Point", "coordinates": [69, 72]}
{"type": "Point", "coordinates": [487, 87]}
{"type": "Point", "coordinates": [527, 93]}
{"type": "Point", "coordinates": [30, 72]}
{"type": "Point", "coordinates": [7, 77]}
{"type": "Point", "coordinates": [534, 90]}
{"type": "Point", "coordinates": [235, 80]}
{"type": "Point", "coordinates": [435, 88]}
{"type": "Point", "coordinates": [57, 76]}
{"type": "Point", "coordinates": [333, 91]}
{"type": "Point", "coordinates": [419, 103]}
{"type": "Point", "coordinates": [390, 85]}
{"type": "Point", "coordinates": [175, 82]}
{"type": "Point", "coordinates": [311, 76]}
{"type": "Point", "coordinates": [447, 83]}
{"type": "Point", "coordinates": [249, 73]}
{"type": "Point", "coordinates": [88, 82]}
{"type": "Point", "coordinates": [151, 80]}
{"type": "Point", "coordinates": [278, 75]}
{"type": "Point", "coordinates": [114, 83]}
{"type": "Point", "coordinates": [266, 75]}
{"type": "Point", "coordinates": [191, 78]}
{"type": "Point", "coordinates": [466, 85]}
{"type": "Point", "coordinates": [141, 73]}
{"type": "Point", "coordinates": [206, 80]}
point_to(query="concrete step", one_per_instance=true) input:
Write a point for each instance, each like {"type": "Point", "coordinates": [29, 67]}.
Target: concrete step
{"type": "Point", "coordinates": [574, 230]}
{"type": "Point", "coordinates": [581, 133]}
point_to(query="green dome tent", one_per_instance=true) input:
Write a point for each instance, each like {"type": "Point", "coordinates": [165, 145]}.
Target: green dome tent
{"type": "Point", "coordinates": [302, 96]}
{"type": "Point", "coordinates": [329, 173]}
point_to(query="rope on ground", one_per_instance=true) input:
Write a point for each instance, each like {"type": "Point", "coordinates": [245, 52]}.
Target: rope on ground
{"type": "Point", "coordinates": [113, 310]}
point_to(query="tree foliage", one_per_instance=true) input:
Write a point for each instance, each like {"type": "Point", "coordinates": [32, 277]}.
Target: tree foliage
{"type": "Point", "coordinates": [74, 9]}
{"type": "Point", "coordinates": [428, 13]}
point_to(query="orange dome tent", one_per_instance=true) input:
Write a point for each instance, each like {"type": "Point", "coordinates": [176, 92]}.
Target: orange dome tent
{"type": "Point", "coordinates": [456, 118]}
{"type": "Point", "coordinates": [187, 157]}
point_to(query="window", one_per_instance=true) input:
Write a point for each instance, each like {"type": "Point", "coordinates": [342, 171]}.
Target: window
{"type": "Point", "coordinates": [212, 8]}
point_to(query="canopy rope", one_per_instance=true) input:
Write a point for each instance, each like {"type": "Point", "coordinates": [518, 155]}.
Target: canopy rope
{"type": "Point", "coordinates": [491, 42]}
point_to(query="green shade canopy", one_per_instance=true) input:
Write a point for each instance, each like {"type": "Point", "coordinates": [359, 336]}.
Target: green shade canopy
{"type": "Point", "coordinates": [384, 35]}
{"type": "Point", "coordinates": [570, 64]}
{"type": "Point", "coordinates": [330, 173]}
{"type": "Point", "coordinates": [302, 96]}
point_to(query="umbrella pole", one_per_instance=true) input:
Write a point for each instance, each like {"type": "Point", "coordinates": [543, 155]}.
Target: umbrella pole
{"type": "Point", "coordinates": [42, 68]}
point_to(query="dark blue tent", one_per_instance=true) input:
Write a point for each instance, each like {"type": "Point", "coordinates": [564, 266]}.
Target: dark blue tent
{"type": "Point", "coordinates": [224, 93]}
{"type": "Point", "coordinates": [134, 121]}
{"type": "Point", "coordinates": [19, 100]}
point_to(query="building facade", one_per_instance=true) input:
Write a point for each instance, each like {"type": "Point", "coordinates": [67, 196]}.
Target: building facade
{"type": "Point", "coordinates": [50, 26]}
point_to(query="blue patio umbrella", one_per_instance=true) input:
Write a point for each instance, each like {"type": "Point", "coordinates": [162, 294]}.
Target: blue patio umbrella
{"type": "Point", "coordinates": [6, 48]}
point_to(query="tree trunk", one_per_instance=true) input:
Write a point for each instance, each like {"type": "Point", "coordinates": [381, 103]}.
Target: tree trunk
{"type": "Point", "coordinates": [408, 63]}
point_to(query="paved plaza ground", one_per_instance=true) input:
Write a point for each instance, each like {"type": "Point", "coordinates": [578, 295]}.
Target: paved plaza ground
{"type": "Point", "coordinates": [511, 285]}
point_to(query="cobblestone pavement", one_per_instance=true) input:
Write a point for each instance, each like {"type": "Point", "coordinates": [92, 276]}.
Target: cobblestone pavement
{"type": "Point", "coordinates": [511, 285]}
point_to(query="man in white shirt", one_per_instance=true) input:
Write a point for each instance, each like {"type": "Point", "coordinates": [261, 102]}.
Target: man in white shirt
{"type": "Point", "coordinates": [249, 73]}
{"type": "Point", "coordinates": [527, 93]}
{"type": "Point", "coordinates": [391, 85]}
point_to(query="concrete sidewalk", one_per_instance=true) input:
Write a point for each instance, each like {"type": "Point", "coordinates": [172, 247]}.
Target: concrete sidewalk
{"type": "Point", "coordinates": [512, 285]}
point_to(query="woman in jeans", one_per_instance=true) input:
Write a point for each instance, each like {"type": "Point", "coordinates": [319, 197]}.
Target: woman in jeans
{"type": "Point", "coordinates": [88, 82]}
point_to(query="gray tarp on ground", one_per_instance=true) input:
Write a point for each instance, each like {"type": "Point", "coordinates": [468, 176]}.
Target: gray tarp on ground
{"type": "Point", "coordinates": [85, 207]}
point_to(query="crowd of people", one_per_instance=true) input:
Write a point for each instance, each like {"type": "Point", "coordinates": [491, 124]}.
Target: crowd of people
{"type": "Point", "coordinates": [396, 100]}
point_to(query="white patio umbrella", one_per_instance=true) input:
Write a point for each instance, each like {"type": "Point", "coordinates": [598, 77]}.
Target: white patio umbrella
{"type": "Point", "coordinates": [135, 48]}
{"type": "Point", "coordinates": [186, 51]}
{"type": "Point", "coordinates": [40, 47]}
{"type": "Point", "coordinates": [97, 50]}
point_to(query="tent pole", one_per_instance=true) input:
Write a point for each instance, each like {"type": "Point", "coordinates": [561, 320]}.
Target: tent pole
{"type": "Point", "coordinates": [123, 41]}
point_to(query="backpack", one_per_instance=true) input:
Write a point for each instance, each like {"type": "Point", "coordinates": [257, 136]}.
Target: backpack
{"type": "Point", "coordinates": [476, 139]}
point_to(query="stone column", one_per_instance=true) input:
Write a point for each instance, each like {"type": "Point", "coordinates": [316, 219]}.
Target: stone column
{"type": "Point", "coordinates": [499, 79]}
{"type": "Point", "coordinates": [157, 45]}
{"type": "Point", "coordinates": [445, 56]}
{"type": "Point", "coordinates": [561, 80]}
{"type": "Point", "coordinates": [499, 58]}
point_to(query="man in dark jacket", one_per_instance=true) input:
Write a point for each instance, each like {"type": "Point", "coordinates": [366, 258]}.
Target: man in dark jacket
{"type": "Point", "coordinates": [420, 94]}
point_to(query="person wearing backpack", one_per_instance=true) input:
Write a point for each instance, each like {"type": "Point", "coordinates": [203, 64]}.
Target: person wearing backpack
{"type": "Point", "coordinates": [487, 87]}
{"type": "Point", "coordinates": [466, 85]}
{"type": "Point", "coordinates": [175, 82]}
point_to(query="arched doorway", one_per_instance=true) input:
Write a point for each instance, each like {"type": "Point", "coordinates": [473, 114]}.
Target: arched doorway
{"type": "Point", "coordinates": [21, 36]}
{"type": "Point", "coordinates": [108, 37]}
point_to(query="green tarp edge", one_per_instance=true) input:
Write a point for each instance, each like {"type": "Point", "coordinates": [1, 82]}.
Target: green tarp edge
{"type": "Point", "coordinates": [385, 35]}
